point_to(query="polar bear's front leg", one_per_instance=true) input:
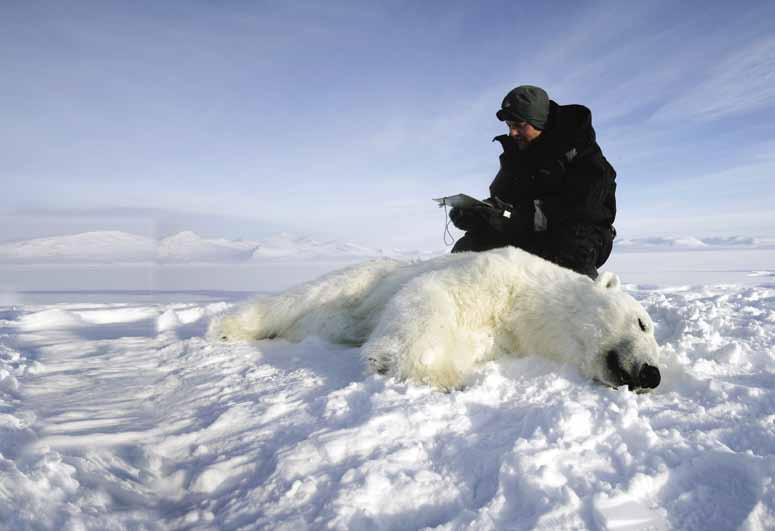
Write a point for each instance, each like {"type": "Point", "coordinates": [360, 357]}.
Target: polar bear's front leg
{"type": "Point", "coordinates": [422, 336]}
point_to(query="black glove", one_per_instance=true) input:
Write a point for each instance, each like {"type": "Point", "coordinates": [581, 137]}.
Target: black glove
{"type": "Point", "coordinates": [466, 219]}
{"type": "Point", "coordinates": [499, 217]}
{"type": "Point", "coordinates": [483, 218]}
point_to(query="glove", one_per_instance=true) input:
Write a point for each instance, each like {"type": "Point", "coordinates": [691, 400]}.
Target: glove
{"type": "Point", "coordinates": [483, 218]}
{"type": "Point", "coordinates": [499, 217]}
{"type": "Point", "coordinates": [466, 219]}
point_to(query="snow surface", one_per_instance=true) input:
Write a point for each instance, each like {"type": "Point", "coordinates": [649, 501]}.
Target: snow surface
{"type": "Point", "coordinates": [116, 413]}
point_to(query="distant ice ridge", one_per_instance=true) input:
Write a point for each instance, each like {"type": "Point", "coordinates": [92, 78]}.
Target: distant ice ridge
{"type": "Point", "coordinates": [98, 246]}
{"type": "Point", "coordinates": [116, 247]}
{"type": "Point", "coordinates": [188, 246]}
{"type": "Point", "coordinates": [688, 243]}
{"type": "Point", "coordinates": [285, 244]}
{"type": "Point", "coordinates": [184, 247]}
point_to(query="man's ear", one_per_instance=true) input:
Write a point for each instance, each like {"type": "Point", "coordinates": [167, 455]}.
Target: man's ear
{"type": "Point", "coordinates": [608, 280]}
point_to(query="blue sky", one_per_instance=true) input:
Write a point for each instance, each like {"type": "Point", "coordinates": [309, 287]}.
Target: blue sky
{"type": "Point", "coordinates": [343, 119]}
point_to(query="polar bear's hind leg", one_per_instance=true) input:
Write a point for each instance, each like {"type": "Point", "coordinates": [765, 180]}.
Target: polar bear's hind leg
{"type": "Point", "coordinates": [246, 325]}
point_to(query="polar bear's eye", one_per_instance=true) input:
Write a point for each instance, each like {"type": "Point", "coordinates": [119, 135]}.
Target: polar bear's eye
{"type": "Point", "coordinates": [642, 324]}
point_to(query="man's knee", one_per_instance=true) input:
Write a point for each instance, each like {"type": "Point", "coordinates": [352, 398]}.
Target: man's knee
{"type": "Point", "coordinates": [581, 259]}
{"type": "Point", "coordinates": [466, 243]}
{"type": "Point", "coordinates": [477, 242]}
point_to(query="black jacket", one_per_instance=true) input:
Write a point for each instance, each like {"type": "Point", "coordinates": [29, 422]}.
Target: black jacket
{"type": "Point", "coordinates": [563, 190]}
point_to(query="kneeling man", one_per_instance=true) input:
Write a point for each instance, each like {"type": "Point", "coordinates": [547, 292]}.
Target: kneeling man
{"type": "Point", "coordinates": [554, 195]}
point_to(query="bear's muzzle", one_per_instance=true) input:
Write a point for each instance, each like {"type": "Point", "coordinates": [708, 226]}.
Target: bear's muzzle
{"type": "Point", "coordinates": [642, 377]}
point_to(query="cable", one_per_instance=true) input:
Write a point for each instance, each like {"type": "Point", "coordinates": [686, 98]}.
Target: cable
{"type": "Point", "coordinates": [447, 232]}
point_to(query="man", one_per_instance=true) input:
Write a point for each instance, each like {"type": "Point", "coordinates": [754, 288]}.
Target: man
{"type": "Point", "coordinates": [554, 193]}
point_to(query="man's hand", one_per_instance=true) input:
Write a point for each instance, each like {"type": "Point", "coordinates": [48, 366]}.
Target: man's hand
{"type": "Point", "coordinates": [503, 206]}
{"type": "Point", "coordinates": [498, 218]}
{"type": "Point", "coordinates": [480, 218]}
{"type": "Point", "coordinates": [466, 219]}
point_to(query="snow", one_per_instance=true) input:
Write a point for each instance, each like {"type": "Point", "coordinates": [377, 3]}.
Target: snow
{"type": "Point", "coordinates": [116, 413]}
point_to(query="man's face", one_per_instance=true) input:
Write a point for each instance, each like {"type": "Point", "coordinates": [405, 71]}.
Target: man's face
{"type": "Point", "coordinates": [523, 133]}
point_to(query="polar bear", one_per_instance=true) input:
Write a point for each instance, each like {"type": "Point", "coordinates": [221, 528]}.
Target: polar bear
{"type": "Point", "coordinates": [433, 321]}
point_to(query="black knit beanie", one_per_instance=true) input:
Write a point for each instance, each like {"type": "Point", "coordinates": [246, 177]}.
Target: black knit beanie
{"type": "Point", "coordinates": [525, 103]}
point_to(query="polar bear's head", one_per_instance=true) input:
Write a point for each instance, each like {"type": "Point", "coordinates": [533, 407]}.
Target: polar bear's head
{"type": "Point", "coordinates": [626, 351]}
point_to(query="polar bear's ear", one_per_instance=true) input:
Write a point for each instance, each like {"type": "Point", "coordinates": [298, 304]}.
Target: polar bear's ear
{"type": "Point", "coordinates": [608, 280]}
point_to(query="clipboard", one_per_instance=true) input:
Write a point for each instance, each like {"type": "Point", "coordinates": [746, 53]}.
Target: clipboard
{"type": "Point", "coordinates": [461, 201]}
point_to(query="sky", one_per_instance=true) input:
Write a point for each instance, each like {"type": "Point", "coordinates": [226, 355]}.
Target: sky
{"type": "Point", "coordinates": [343, 119]}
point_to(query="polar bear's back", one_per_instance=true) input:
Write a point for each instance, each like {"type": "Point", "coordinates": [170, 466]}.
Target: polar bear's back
{"type": "Point", "coordinates": [319, 307]}
{"type": "Point", "coordinates": [345, 306]}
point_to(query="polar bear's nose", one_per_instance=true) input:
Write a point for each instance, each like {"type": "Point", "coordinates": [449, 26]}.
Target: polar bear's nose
{"type": "Point", "coordinates": [649, 376]}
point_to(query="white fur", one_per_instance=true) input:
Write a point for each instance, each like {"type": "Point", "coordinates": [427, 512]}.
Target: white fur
{"type": "Point", "coordinates": [433, 321]}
